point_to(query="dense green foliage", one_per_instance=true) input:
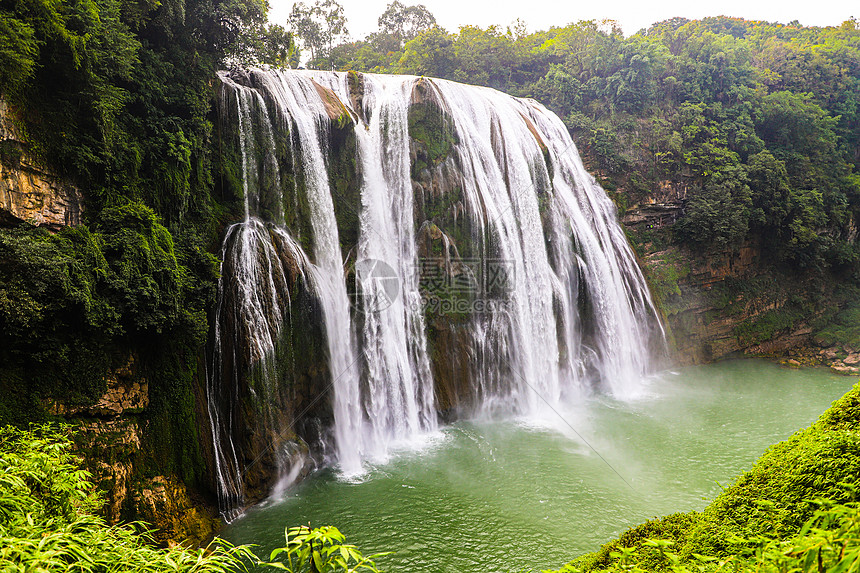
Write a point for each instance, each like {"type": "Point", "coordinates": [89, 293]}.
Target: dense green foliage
{"type": "Point", "coordinates": [755, 125]}
{"type": "Point", "coordinates": [829, 541]}
{"type": "Point", "coordinates": [67, 299]}
{"type": "Point", "coordinates": [46, 523]}
{"type": "Point", "coordinates": [770, 518]}
{"type": "Point", "coordinates": [115, 97]}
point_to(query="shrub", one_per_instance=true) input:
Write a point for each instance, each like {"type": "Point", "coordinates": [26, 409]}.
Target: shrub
{"type": "Point", "coordinates": [46, 524]}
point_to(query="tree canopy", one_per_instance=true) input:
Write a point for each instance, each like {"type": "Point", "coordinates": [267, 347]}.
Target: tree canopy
{"type": "Point", "coordinates": [754, 125]}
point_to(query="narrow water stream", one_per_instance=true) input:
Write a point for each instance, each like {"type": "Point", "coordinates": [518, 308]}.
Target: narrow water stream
{"type": "Point", "coordinates": [526, 494]}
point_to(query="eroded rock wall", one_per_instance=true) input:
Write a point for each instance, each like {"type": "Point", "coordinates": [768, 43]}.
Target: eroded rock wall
{"type": "Point", "coordinates": [718, 303]}
{"type": "Point", "coordinates": [29, 192]}
{"type": "Point", "coordinates": [110, 434]}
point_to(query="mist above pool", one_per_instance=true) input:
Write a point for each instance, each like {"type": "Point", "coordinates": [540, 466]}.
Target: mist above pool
{"type": "Point", "coordinates": [533, 492]}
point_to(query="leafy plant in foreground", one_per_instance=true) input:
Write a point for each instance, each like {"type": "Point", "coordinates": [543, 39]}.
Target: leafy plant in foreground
{"type": "Point", "coordinates": [320, 550]}
{"type": "Point", "coordinates": [47, 525]}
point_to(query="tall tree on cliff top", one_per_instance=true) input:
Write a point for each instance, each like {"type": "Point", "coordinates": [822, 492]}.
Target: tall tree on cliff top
{"type": "Point", "coordinates": [405, 22]}
{"type": "Point", "coordinates": [320, 27]}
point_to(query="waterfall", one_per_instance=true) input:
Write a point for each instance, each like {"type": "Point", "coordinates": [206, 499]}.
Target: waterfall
{"type": "Point", "coordinates": [399, 397]}
{"type": "Point", "coordinates": [505, 172]}
{"type": "Point", "coordinates": [419, 215]}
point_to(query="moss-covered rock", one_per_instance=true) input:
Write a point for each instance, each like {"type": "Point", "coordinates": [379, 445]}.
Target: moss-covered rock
{"type": "Point", "coordinates": [430, 127]}
{"type": "Point", "coordinates": [345, 185]}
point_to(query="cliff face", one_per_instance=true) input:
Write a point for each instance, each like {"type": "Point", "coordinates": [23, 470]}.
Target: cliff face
{"type": "Point", "coordinates": [111, 431]}
{"type": "Point", "coordinates": [110, 434]}
{"type": "Point", "coordinates": [29, 192]}
{"type": "Point", "coordinates": [723, 302]}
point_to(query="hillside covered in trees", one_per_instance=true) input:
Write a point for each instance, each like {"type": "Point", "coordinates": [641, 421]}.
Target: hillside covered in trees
{"type": "Point", "coordinates": [753, 128]}
{"type": "Point", "coordinates": [756, 125]}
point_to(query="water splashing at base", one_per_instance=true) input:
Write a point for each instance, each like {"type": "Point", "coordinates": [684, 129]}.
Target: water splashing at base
{"type": "Point", "coordinates": [495, 199]}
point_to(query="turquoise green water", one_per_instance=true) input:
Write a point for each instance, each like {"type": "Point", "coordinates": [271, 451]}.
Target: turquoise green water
{"type": "Point", "coordinates": [526, 494]}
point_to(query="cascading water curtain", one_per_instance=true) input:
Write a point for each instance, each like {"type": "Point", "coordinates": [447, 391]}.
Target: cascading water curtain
{"type": "Point", "coordinates": [502, 191]}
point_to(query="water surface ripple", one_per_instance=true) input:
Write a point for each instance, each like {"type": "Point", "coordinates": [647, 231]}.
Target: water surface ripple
{"type": "Point", "coordinates": [527, 494]}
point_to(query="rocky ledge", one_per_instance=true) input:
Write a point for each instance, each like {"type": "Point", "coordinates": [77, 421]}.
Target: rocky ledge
{"type": "Point", "coordinates": [841, 359]}
{"type": "Point", "coordinates": [29, 192]}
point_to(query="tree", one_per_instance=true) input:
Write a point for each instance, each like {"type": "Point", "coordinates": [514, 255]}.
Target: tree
{"type": "Point", "coordinates": [431, 53]}
{"type": "Point", "coordinates": [484, 56]}
{"type": "Point", "coordinates": [404, 23]}
{"type": "Point", "coordinates": [771, 191]}
{"type": "Point", "coordinates": [307, 27]}
{"type": "Point", "coordinates": [714, 218]}
{"type": "Point", "coordinates": [18, 52]}
{"type": "Point", "coordinates": [279, 49]}
{"type": "Point", "coordinates": [320, 27]}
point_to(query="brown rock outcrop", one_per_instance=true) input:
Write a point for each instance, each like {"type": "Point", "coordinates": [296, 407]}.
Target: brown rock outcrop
{"type": "Point", "coordinates": [166, 502]}
{"type": "Point", "coordinates": [126, 393]}
{"type": "Point", "coordinates": [109, 435]}
{"type": "Point", "coordinates": [29, 192]}
{"type": "Point", "coordinates": [109, 446]}
{"type": "Point", "coordinates": [338, 113]}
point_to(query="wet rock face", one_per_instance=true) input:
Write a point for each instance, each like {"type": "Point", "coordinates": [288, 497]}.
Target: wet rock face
{"type": "Point", "coordinates": [718, 303]}
{"type": "Point", "coordinates": [109, 435]}
{"type": "Point", "coordinates": [721, 303]}
{"type": "Point", "coordinates": [109, 447]}
{"type": "Point", "coordinates": [167, 502]}
{"type": "Point", "coordinates": [126, 394]}
{"type": "Point", "coordinates": [444, 238]}
{"type": "Point", "coordinates": [451, 367]}
{"type": "Point", "coordinates": [29, 192]}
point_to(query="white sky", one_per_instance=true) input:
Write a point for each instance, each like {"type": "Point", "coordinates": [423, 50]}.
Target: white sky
{"type": "Point", "coordinates": [631, 14]}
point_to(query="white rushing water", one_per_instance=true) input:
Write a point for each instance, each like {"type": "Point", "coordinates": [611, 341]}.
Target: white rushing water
{"type": "Point", "coordinates": [576, 312]}
{"type": "Point", "coordinates": [399, 396]}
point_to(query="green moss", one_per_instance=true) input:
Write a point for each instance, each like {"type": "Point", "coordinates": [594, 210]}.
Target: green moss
{"type": "Point", "coordinates": [170, 444]}
{"type": "Point", "coordinates": [647, 240]}
{"type": "Point", "coordinates": [769, 325]}
{"type": "Point", "coordinates": [10, 153]}
{"type": "Point", "coordinates": [841, 329]}
{"type": "Point", "coordinates": [433, 132]}
{"type": "Point", "coordinates": [56, 327]}
{"type": "Point", "coordinates": [732, 295]}
{"type": "Point", "coordinates": [72, 304]}
{"type": "Point", "coordinates": [345, 186]}
{"type": "Point", "coordinates": [438, 209]}
{"type": "Point", "coordinates": [664, 273]}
